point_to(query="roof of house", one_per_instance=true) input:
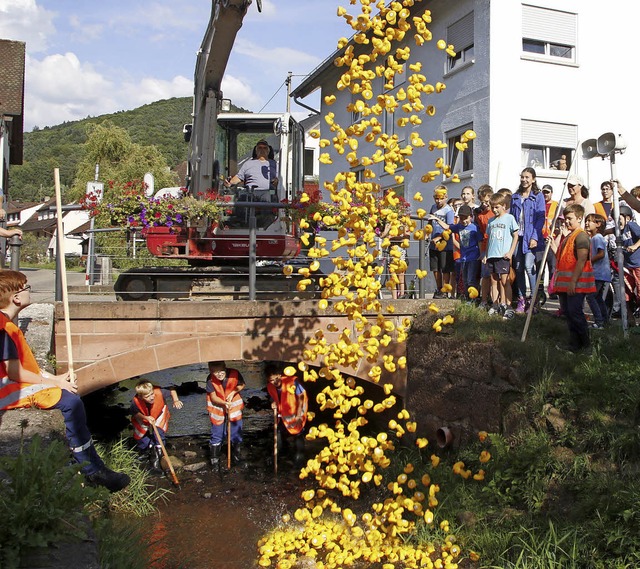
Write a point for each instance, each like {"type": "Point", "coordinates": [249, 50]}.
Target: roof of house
{"type": "Point", "coordinates": [12, 62]}
{"type": "Point", "coordinates": [14, 206]}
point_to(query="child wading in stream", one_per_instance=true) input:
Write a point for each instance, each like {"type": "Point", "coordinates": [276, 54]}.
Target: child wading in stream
{"type": "Point", "coordinates": [224, 405]}
{"type": "Point", "coordinates": [148, 408]}
{"type": "Point", "coordinates": [24, 384]}
{"type": "Point", "coordinates": [289, 399]}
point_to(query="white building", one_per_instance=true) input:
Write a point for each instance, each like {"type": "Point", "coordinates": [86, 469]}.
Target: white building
{"type": "Point", "coordinates": [532, 79]}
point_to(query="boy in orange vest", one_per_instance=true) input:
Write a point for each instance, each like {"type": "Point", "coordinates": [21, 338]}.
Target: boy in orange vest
{"type": "Point", "coordinates": [224, 404]}
{"type": "Point", "coordinates": [24, 384]}
{"type": "Point", "coordinates": [574, 276]}
{"type": "Point", "coordinates": [149, 407]}
{"type": "Point", "coordinates": [289, 398]}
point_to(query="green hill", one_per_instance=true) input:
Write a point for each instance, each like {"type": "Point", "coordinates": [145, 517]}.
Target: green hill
{"type": "Point", "coordinates": [61, 146]}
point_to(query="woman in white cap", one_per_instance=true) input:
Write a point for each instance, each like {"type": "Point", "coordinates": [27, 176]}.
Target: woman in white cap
{"type": "Point", "coordinates": [579, 194]}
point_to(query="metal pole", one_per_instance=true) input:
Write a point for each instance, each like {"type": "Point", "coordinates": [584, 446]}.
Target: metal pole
{"type": "Point", "coordinates": [15, 243]}
{"type": "Point", "coordinates": [619, 250]}
{"type": "Point", "coordinates": [288, 81]}
{"type": "Point", "coordinates": [89, 273]}
{"type": "Point", "coordinates": [252, 253]}
{"type": "Point", "coordinates": [421, 261]}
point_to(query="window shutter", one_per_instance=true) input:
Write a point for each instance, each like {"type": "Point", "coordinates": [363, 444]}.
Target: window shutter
{"type": "Point", "coordinates": [460, 33]}
{"type": "Point", "coordinates": [538, 133]}
{"type": "Point", "coordinates": [548, 25]}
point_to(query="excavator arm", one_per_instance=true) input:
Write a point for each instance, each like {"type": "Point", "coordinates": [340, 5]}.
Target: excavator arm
{"type": "Point", "coordinates": [224, 23]}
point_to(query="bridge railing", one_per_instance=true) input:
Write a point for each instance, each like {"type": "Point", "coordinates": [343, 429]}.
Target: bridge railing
{"type": "Point", "coordinates": [121, 250]}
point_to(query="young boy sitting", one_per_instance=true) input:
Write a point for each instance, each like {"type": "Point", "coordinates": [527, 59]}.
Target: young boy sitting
{"type": "Point", "coordinates": [469, 238]}
{"type": "Point", "coordinates": [149, 408]}
{"type": "Point", "coordinates": [23, 384]}
{"type": "Point", "coordinates": [502, 240]}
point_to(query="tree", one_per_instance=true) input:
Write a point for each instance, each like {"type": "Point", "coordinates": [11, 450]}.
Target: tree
{"type": "Point", "coordinates": [120, 160]}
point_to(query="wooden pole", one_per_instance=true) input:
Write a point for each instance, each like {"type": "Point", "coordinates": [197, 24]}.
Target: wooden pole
{"type": "Point", "coordinates": [174, 478]}
{"type": "Point", "coordinates": [63, 272]}
{"type": "Point", "coordinates": [275, 440]}
{"type": "Point", "coordinates": [228, 441]}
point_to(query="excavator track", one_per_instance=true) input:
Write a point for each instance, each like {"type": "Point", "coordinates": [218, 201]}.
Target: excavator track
{"type": "Point", "coordinates": [209, 283]}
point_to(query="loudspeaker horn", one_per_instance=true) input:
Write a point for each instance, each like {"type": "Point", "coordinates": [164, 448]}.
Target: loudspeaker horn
{"type": "Point", "coordinates": [610, 142]}
{"type": "Point", "coordinates": [589, 148]}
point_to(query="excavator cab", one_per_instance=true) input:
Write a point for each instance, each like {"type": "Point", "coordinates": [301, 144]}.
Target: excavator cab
{"type": "Point", "coordinates": [227, 241]}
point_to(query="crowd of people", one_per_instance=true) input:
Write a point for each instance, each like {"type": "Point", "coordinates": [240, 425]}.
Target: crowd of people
{"type": "Point", "coordinates": [491, 252]}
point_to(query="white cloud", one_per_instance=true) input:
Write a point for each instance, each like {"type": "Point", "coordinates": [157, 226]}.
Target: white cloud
{"type": "Point", "coordinates": [59, 88]}
{"type": "Point", "coordinates": [240, 92]}
{"type": "Point", "coordinates": [151, 89]}
{"type": "Point", "coordinates": [24, 20]}
{"type": "Point", "coordinates": [284, 57]}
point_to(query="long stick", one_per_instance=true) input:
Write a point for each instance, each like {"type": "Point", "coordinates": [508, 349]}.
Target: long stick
{"type": "Point", "coordinates": [63, 272]}
{"type": "Point", "coordinates": [275, 440]}
{"type": "Point", "coordinates": [174, 478]}
{"type": "Point", "coordinates": [228, 441]}
{"type": "Point", "coordinates": [559, 209]}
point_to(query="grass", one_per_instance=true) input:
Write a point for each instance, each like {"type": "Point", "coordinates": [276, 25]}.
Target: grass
{"type": "Point", "coordinates": [564, 497]}
{"type": "Point", "coordinates": [44, 501]}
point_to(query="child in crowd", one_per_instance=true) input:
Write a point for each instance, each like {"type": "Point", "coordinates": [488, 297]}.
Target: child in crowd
{"type": "Point", "coordinates": [574, 276]}
{"type": "Point", "coordinates": [149, 407]}
{"type": "Point", "coordinates": [441, 247]}
{"type": "Point", "coordinates": [502, 233]}
{"type": "Point", "coordinates": [630, 234]}
{"type": "Point", "coordinates": [468, 197]}
{"type": "Point", "coordinates": [456, 275]}
{"type": "Point", "coordinates": [469, 238]}
{"type": "Point", "coordinates": [482, 215]}
{"type": "Point", "coordinates": [225, 406]}
{"type": "Point", "coordinates": [24, 384]}
{"type": "Point", "coordinates": [595, 226]}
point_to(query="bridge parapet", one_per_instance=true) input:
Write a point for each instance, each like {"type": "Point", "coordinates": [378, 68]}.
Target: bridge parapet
{"type": "Point", "coordinates": [113, 341]}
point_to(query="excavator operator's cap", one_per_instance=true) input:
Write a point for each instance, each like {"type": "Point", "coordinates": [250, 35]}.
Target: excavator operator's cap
{"type": "Point", "coordinates": [264, 142]}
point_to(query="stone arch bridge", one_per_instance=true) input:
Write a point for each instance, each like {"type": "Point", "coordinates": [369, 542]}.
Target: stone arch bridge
{"type": "Point", "coordinates": [113, 341]}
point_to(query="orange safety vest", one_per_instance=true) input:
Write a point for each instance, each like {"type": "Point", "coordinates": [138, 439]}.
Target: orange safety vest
{"type": "Point", "coordinates": [600, 210]}
{"type": "Point", "coordinates": [216, 412]}
{"type": "Point", "coordinates": [16, 395]}
{"type": "Point", "coordinates": [287, 404]}
{"type": "Point", "coordinates": [566, 262]}
{"type": "Point", "coordinates": [159, 411]}
{"type": "Point", "coordinates": [550, 216]}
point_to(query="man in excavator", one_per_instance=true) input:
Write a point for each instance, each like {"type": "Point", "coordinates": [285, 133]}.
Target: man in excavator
{"type": "Point", "coordinates": [259, 174]}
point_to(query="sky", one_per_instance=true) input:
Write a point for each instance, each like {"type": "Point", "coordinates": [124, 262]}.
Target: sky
{"type": "Point", "coordinates": [88, 58]}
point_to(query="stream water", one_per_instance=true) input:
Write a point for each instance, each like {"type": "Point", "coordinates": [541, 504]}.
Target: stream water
{"type": "Point", "coordinates": [214, 519]}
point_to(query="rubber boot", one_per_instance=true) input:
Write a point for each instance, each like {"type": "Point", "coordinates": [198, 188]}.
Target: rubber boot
{"type": "Point", "coordinates": [236, 453]}
{"type": "Point", "coordinates": [214, 455]}
{"type": "Point", "coordinates": [155, 455]}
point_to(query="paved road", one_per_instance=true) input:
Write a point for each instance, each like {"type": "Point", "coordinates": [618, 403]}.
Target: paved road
{"type": "Point", "coordinates": [42, 283]}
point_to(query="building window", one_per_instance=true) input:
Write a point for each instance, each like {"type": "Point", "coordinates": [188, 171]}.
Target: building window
{"type": "Point", "coordinates": [548, 146]}
{"type": "Point", "coordinates": [308, 162]}
{"type": "Point", "coordinates": [549, 34]}
{"type": "Point", "coordinates": [459, 161]}
{"type": "Point", "coordinates": [460, 35]}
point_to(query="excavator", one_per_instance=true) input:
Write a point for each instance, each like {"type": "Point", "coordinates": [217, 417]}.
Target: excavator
{"type": "Point", "coordinates": [253, 238]}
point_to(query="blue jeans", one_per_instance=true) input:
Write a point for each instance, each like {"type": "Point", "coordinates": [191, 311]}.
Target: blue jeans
{"type": "Point", "coordinates": [524, 264]}
{"type": "Point", "coordinates": [78, 435]}
{"type": "Point", "coordinates": [470, 275]}
{"type": "Point", "coordinates": [219, 433]}
{"type": "Point", "coordinates": [149, 439]}
{"type": "Point", "coordinates": [597, 304]}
